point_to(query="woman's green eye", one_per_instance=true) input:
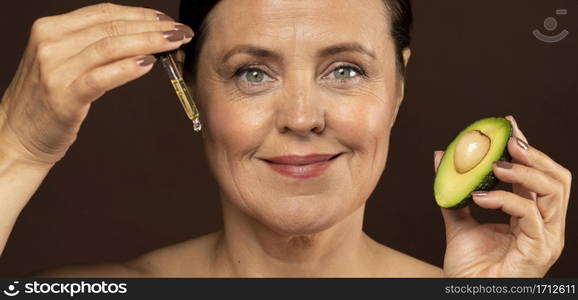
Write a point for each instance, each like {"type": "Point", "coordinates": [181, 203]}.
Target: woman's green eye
{"type": "Point", "coordinates": [343, 73]}
{"type": "Point", "coordinates": [254, 76]}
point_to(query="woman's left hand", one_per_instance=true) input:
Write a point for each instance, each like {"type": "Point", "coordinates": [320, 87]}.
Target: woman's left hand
{"type": "Point", "coordinates": [533, 240]}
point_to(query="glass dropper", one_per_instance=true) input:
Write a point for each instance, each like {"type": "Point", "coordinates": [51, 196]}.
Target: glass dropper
{"type": "Point", "coordinates": [181, 88]}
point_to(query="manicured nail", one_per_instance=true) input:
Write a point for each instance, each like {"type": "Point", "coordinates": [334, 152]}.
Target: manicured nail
{"type": "Point", "coordinates": [521, 143]}
{"type": "Point", "coordinates": [163, 17]}
{"type": "Point", "coordinates": [514, 123]}
{"type": "Point", "coordinates": [174, 35]}
{"type": "Point", "coordinates": [186, 30]}
{"type": "Point", "coordinates": [503, 164]}
{"type": "Point", "coordinates": [479, 194]}
{"type": "Point", "coordinates": [146, 60]}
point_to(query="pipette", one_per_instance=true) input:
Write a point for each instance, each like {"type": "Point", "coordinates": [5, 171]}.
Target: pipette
{"type": "Point", "coordinates": [181, 88]}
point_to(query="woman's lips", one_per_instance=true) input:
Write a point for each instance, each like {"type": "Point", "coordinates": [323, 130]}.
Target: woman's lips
{"type": "Point", "coordinates": [301, 166]}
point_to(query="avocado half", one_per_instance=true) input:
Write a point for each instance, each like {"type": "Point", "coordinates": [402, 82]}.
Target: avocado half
{"type": "Point", "coordinates": [452, 188]}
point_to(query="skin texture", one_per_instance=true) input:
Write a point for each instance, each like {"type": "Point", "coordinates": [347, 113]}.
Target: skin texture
{"type": "Point", "coordinates": [299, 103]}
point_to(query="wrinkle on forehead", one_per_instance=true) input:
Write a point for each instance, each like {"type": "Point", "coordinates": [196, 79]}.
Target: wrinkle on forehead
{"type": "Point", "coordinates": [289, 24]}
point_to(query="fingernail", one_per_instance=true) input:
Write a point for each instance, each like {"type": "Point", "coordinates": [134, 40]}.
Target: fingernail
{"type": "Point", "coordinates": [163, 17]}
{"type": "Point", "coordinates": [479, 194]}
{"type": "Point", "coordinates": [513, 120]}
{"type": "Point", "coordinates": [146, 60]}
{"type": "Point", "coordinates": [503, 164]}
{"type": "Point", "coordinates": [521, 143]}
{"type": "Point", "coordinates": [174, 35]}
{"type": "Point", "coordinates": [185, 29]}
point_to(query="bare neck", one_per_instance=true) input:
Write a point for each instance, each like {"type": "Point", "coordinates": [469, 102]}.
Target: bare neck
{"type": "Point", "coordinates": [248, 248]}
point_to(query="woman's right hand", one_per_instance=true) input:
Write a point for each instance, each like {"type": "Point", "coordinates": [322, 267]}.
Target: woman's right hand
{"type": "Point", "coordinates": [70, 61]}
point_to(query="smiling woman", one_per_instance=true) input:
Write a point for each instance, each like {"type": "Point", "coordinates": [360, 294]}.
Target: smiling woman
{"type": "Point", "coordinates": [314, 96]}
{"type": "Point", "coordinates": [297, 100]}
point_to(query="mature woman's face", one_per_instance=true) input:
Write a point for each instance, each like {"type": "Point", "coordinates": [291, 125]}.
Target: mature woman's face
{"type": "Point", "coordinates": [320, 77]}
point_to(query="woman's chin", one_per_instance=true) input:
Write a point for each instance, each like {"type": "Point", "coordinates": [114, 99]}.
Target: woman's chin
{"type": "Point", "coordinates": [298, 218]}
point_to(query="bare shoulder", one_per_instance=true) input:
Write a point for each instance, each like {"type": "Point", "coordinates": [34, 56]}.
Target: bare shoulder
{"type": "Point", "coordinates": [398, 264]}
{"type": "Point", "coordinates": [89, 270]}
{"type": "Point", "coordinates": [184, 259]}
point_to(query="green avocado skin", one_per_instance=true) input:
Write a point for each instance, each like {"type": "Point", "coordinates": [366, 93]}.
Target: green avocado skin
{"type": "Point", "coordinates": [487, 184]}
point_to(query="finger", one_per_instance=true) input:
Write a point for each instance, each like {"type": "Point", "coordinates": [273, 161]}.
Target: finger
{"type": "Point", "coordinates": [61, 25]}
{"type": "Point", "coordinates": [115, 48]}
{"type": "Point", "coordinates": [525, 210]}
{"type": "Point", "coordinates": [549, 192]}
{"type": "Point", "coordinates": [437, 158]}
{"type": "Point", "coordinates": [77, 41]}
{"type": "Point", "coordinates": [95, 83]}
{"type": "Point", "coordinates": [517, 133]}
{"type": "Point", "coordinates": [532, 157]}
{"type": "Point", "coordinates": [529, 156]}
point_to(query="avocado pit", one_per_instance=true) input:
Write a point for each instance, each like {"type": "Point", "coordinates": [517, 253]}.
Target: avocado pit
{"type": "Point", "coordinates": [470, 150]}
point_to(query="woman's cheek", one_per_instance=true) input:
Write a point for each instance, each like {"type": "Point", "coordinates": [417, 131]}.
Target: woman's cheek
{"type": "Point", "coordinates": [237, 127]}
{"type": "Point", "coordinates": [363, 126]}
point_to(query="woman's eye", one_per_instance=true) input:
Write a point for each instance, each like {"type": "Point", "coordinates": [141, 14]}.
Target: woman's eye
{"type": "Point", "coordinates": [251, 75]}
{"type": "Point", "coordinates": [254, 76]}
{"type": "Point", "coordinates": [344, 73]}
{"type": "Point", "coordinates": [257, 76]}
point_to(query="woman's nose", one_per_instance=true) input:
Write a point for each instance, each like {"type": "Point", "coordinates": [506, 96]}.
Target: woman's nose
{"type": "Point", "coordinates": [300, 111]}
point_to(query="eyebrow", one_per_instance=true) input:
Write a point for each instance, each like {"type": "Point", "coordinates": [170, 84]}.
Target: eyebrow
{"type": "Point", "coordinates": [327, 51]}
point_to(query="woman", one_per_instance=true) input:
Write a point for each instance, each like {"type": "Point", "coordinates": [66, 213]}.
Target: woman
{"type": "Point", "coordinates": [297, 99]}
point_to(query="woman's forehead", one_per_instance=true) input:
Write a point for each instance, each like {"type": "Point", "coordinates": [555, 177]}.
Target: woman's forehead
{"type": "Point", "coordinates": [284, 23]}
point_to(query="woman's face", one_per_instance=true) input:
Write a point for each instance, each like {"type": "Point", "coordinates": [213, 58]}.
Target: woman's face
{"type": "Point", "coordinates": [279, 78]}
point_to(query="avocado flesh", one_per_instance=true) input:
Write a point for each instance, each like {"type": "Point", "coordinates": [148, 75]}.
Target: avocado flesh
{"type": "Point", "coordinates": [452, 189]}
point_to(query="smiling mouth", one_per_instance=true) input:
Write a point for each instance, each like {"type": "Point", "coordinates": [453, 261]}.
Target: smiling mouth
{"type": "Point", "coordinates": [301, 160]}
{"type": "Point", "coordinates": [302, 167]}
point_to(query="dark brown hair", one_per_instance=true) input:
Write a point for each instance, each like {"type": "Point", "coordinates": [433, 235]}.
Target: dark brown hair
{"type": "Point", "coordinates": [194, 14]}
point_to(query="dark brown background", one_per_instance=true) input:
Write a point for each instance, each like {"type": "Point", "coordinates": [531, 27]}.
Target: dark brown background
{"type": "Point", "coordinates": [136, 179]}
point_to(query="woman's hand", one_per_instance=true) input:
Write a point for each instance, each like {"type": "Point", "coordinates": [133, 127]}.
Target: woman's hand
{"type": "Point", "coordinates": [70, 61]}
{"type": "Point", "coordinates": [534, 239]}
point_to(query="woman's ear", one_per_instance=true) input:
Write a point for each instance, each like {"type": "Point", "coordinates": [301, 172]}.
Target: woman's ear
{"type": "Point", "coordinates": [179, 57]}
{"type": "Point", "coordinates": [406, 53]}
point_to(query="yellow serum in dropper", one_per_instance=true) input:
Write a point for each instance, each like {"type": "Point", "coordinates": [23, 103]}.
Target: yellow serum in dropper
{"type": "Point", "coordinates": [181, 89]}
